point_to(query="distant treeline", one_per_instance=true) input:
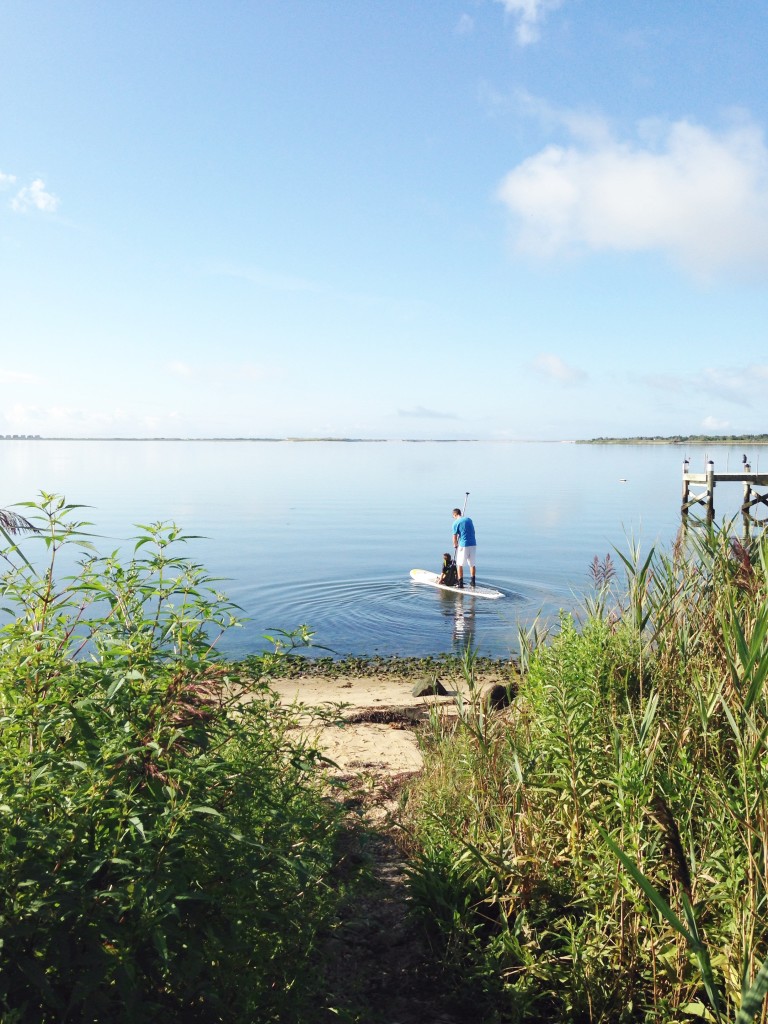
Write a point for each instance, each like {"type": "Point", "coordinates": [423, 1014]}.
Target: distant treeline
{"type": "Point", "coordinates": [683, 439]}
{"type": "Point", "coordinates": [343, 440]}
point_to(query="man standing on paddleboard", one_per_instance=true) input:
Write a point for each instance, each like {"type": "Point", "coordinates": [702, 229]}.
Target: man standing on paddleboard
{"type": "Point", "coordinates": [465, 546]}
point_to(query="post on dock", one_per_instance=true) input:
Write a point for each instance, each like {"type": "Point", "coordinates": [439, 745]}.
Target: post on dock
{"type": "Point", "coordinates": [686, 490]}
{"type": "Point", "coordinates": [747, 502]}
{"type": "Point", "coordinates": [752, 483]}
{"type": "Point", "coordinates": [698, 497]}
{"type": "Point", "coordinates": [710, 490]}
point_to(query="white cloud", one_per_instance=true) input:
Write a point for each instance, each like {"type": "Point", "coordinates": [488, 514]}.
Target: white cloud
{"type": "Point", "coordinates": [179, 369]}
{"type": "Point", "coordinates": [740, 386]}
{"type": "Point", "coordinates": [35, 197]}
{"type": "Point", "coordinates": [6, 180]}
{"type": "Point", "coordinates": [746, 385]}
{"type": "Point", "coordinates": [465, 25]}
{"type": "Point", "coordinates": [222, 372]}
{"type": "Point", "coordinates": [16, 377]}
{"type": "Point", "coordinates": [268, 280]}
{"type": "Point", "coordinates": [529, 15]}
{"type": "Point", "coordinates": [665, 382]}
{"type": "Point", "coordinates": [56, 420]}
{"type": "Point", "coordinates": [712, 423]}
{"type": "Point", "coordinates": [420, 412]}
{"type": "Point", "coordinates": [555, 368]}
{"type": "Point", "coordinates": [586, 126]}
{"type": "Point", "coordinates": [699, 196]}
{"type": "Point", "coordinates": [255, 372]}
{"type": "Point", "coordinates": [52, 420]}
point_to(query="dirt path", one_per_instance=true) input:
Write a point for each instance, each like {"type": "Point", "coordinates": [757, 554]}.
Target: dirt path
{"type": "Point", "coordinates": [380, 963]}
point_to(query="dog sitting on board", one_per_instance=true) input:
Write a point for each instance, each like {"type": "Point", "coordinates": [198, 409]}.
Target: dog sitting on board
{"type": "Point", "coordinates": [448, 577]}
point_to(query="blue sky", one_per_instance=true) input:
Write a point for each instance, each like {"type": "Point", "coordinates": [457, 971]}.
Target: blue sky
{"type": "Point", "coordinates": [504, 219]}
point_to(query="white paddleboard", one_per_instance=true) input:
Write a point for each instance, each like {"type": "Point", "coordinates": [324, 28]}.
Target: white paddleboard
{"type": "Point", "coordinates": [431, 578]}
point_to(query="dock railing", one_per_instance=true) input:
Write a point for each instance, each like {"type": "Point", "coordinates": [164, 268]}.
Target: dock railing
{"type": "Point", "coordinates": [699, 489]}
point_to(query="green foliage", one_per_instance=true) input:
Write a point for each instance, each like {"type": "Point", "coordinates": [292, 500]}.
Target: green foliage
{"type": "Point", "coordinates": [164, 846]}
{"type": "Point", "coordinates": [599, 851]}
{"type": "Point", "coordinates": [682, 439]}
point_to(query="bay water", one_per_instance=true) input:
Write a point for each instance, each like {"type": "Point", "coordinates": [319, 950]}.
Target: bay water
{"type": "Point", "coordinates": [324, 533]}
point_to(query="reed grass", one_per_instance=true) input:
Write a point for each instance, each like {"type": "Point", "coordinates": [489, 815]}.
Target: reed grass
{"type": "Point", "coordinates": [599, 851]}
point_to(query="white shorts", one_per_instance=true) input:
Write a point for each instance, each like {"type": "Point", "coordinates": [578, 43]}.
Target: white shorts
{"type": "Point", "coordinates": [466, 556]}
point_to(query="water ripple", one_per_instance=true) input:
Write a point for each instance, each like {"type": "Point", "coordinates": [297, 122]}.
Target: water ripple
{"type": "Point", "coordinates": [386, 616]}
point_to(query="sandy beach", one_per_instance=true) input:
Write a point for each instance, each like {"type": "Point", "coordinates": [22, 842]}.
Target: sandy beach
{"type": "Point", "coordinates": [376, 717]}
{"type": "Point", "coordinates": [380, 747]}
{"type": "Point", "coordinates": [376, 957]}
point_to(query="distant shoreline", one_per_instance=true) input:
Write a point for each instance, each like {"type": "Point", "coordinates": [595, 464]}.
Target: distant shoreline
{"type": "Point", "coordinates": [740, 439]}
{"type": "Point", "coordinates": [736, 439]}
{"type": "Point", "coordinates": [301, 440]}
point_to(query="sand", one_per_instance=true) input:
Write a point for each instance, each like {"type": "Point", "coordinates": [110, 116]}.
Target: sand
{"type": "Point", "coordinates": [385, 747]}
{"type": "Point", "coordinates": [379, 747]}
{"type": "Point", "coordinates": [376, 959]}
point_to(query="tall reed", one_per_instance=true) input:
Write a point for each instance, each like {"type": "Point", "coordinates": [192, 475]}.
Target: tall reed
{"type": "Point", "coordinates": [600, 851]}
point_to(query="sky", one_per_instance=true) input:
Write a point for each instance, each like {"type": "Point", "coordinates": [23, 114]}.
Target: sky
{"type": "Point", "coordinates": [491, 219]}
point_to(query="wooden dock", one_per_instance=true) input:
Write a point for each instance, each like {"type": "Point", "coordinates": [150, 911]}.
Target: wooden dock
{"type": "Point", "coordinates": [706, 482]}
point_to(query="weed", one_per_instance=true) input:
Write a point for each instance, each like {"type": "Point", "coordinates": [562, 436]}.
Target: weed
{"type": "Point", "coordinates": [599, 851]}
{"type": "Point", "coordinates": [165, 847]}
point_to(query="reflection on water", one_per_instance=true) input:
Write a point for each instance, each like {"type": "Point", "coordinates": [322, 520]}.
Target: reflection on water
{"type": "Point", "coordinates": [326, 533]}
{"type": "Point", "coordinates": [459, 613]}
{"type": "Point", "coordinates": [464, 626]}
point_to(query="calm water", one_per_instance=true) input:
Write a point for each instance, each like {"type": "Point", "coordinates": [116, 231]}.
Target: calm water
{"type": "Point", "coordinates": [325, 533]}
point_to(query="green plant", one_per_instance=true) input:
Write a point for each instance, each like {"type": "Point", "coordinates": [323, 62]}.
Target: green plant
{"type": "Point", "coordinates": [165, 847]}
{"type": "Point", "coordinates": [599, 850]}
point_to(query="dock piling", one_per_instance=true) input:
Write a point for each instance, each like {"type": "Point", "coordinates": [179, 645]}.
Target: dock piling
{"type": "Point", "coordinates": [709, 479]}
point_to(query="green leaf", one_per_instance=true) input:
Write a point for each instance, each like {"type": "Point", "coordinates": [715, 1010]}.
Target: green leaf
{"type": "Point", "coordinates": [698, 1009]}
{"type": "Point", "coordinates": [752, 1002]}
{"type": "Point", "coordinates": [138, 825]}
{"type": "Point", "coordinates": [650, 890]}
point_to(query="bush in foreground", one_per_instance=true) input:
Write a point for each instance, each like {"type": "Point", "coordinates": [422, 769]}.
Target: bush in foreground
{"type": "Point", "coordinates": [164, 847]}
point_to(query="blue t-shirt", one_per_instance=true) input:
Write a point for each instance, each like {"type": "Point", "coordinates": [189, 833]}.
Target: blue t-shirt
{"type": "Point", "coordinates": [465, 529]}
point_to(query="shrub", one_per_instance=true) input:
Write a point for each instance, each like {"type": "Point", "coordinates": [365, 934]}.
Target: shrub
{"type": "Point", "coordinates": [165, 848]}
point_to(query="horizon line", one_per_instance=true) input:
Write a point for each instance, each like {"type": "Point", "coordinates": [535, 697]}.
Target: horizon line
{"type": "Point", "coordinates": [295, 439]}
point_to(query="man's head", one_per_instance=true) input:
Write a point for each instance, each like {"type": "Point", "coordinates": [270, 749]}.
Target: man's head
{"type": "Point", "coordinates": [456, 513]}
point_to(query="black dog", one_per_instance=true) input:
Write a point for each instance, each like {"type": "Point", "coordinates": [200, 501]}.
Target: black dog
{"type": "Point", "coordinates": [449, 577]}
